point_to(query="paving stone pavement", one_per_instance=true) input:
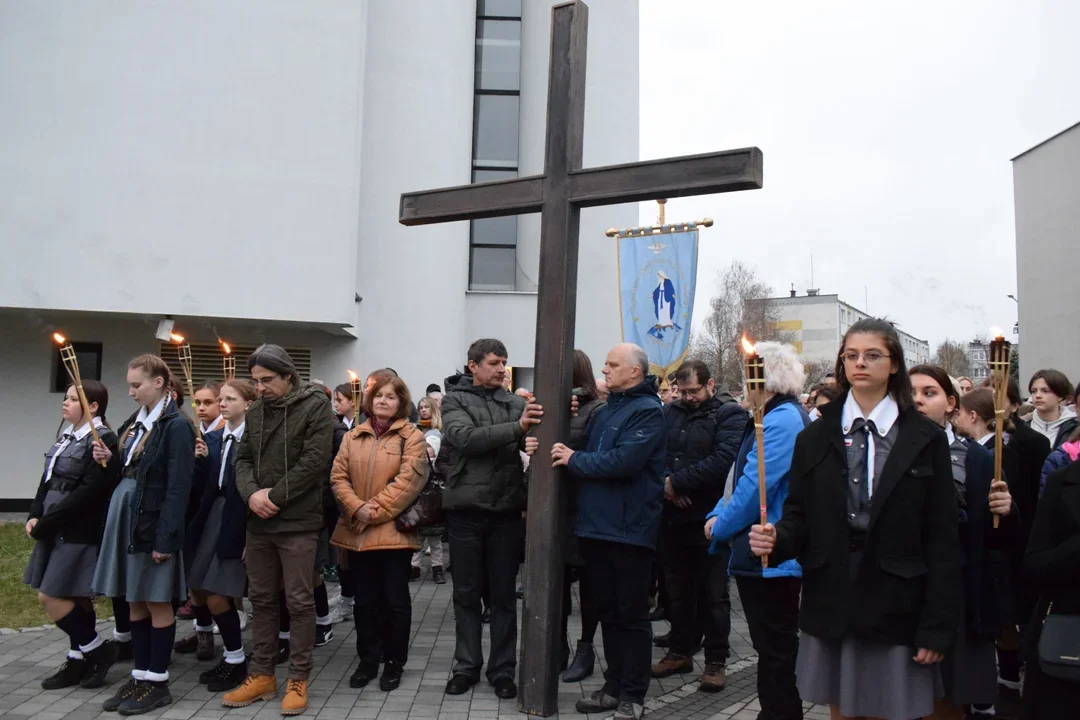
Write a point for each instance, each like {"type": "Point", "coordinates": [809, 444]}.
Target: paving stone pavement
{"type": "Point", "coordinates": [27, 657]}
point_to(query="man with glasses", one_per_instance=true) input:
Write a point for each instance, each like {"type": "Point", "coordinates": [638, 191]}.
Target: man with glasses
{"type": "Point", "coordinates": [704, 430]}
{"type": "Point", "coordinates": [281, 464]}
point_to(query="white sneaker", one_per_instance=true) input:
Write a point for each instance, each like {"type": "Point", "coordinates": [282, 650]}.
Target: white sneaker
{"type": "Point", "coordinates": [342, 611]}
{"type": "Point", "coordinates": [243, 621]}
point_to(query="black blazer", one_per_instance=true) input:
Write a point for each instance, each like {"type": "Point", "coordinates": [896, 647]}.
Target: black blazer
{"type": "Point", "coordinates": [163, 482]}
{"type": "Point", "coordinates": [232, 535]}
{"type": "Point", "coordinates": [907, 589]}
{"type": "Point", "coordinates": [79, 517]}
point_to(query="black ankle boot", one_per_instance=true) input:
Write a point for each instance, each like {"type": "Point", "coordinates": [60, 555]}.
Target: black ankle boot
{"type": "Point", "coordinates": [583, 664]}
{"type": "Point", "coordinates": [363, 675]}
{"type": "Point", "coordinates": [148, 696]}
{"type": "Point", "coordinates": [67, 675]}
{"type": "Point", "coordinates": [98, 662]}
{"type": "Point", "coordinates": [391, 677]}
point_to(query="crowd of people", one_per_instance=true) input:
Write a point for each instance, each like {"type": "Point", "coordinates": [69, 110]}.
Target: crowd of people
{"type": "Point", "coordinates": [896, 577]}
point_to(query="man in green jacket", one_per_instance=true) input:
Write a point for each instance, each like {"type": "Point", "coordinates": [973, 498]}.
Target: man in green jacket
{"type": "Point", "coordinates": [280, 468]}
{"type": "Point", "coordinates": [485, 430]}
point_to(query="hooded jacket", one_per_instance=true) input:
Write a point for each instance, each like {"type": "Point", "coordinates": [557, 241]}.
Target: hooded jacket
{"type": "Point", "coordinates": [483, 435]}
{"type": "Point", "coordinates": [1057, 431]}
{"type": "Point", "coordinates": [621, 469]}
{"type": "Point", "coordinates": [286, 447]}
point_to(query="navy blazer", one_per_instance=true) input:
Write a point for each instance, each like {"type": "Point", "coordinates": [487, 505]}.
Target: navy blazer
{"type": "Point", "coordinates": [233, 530]}
{"type": "Point", "coordinates": [163, 482]}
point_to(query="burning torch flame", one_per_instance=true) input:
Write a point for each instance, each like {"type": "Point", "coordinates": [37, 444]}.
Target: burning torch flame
{"type": "Point", "coordinates": [176, 338]}
{"type": "Point", "coordinates": [747, 346]}
{"type": "Point", "coordinates": [225, 345]}
{"type": "Point", "coordinates": [352, 376]}
{"type": "Point", "coordinates": [995, 332]}
{"type": "Point", "coordinates": [60, 339]}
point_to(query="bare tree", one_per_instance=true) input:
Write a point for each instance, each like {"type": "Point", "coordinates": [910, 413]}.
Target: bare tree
{"type": "Point", "coordinates": [732, 314]}
{"type": "Point", "coordinates": [953, 357]}
{"type": "Point", "coordinates": [816, 370]}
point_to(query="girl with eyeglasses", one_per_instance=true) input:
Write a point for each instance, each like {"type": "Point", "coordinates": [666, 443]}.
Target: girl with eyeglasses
{"type": "Point", "coordinates": [871, 517]}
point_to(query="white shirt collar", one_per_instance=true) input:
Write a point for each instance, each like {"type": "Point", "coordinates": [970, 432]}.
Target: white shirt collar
{"type": "Point", "coordinates": [85, 429]}
{"type": "Point", "coordinates": [984, 438]}
{"type": "Point", "coordinates": [207, 429]}
{"type": "Point", "coordinates": [883, 416]}
{"type": "Point", "coordinates": [348, 420]}
{"type": "Point", "coordinates": [237, 433]}
{"type": "Point", "coordinates": [949, 433]}
{"type": "Point", "coordinates": [148, 418]}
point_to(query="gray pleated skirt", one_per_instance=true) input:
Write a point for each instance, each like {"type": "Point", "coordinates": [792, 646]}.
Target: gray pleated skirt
{"type": "Point", "coordinates": [209, 573]}
{"type": "Point", "coordinates": [133, 576]}
{"type": "Point", "coordinates": [61, 569]}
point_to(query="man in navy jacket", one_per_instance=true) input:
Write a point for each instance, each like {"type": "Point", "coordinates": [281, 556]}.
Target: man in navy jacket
{"type": "Point", "coordinates": [619, 506]}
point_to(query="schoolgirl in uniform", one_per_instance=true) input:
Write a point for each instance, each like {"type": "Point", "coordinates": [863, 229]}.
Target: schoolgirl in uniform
{"type": "Point", "coordinates": [969, 670]}
{"type": "Point", "coordinates": [207, 411]}
{"type": "Point", "coordinates": [66, 519]}
{"type": "Point", "coordinates": [140, 558]}
{"type": "Point", "coordinates": [218, 535]}
{"type": "Point", "coordinates": [871, 517]}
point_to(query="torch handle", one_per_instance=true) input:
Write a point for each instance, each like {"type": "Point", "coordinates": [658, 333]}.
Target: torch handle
{"type": "Point", "coordinates": [86, 409]}
{"type": "Point", "coordinates": [999, 426]}
{"type": "Point", "coordinates": [759, 436]}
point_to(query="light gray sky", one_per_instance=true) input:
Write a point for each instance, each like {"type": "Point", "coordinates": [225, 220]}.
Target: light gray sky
{"type": "Point", "coordinates": [887, 129]}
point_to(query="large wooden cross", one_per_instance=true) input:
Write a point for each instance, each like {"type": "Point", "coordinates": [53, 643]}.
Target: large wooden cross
{"type": "Point", "coordinates": [558, 195]}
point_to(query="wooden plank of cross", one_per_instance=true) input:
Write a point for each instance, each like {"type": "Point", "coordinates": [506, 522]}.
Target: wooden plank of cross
{"type": "Point", "coordinates": [558, 195]}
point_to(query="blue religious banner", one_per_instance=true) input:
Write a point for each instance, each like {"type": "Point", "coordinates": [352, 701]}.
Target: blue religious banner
{"type": "Point", "coordinates": [657, 279]}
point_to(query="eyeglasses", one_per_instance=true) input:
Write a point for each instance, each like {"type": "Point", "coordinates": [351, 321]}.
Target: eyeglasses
{"type": "Point", "coordinates": [264, 380]}
{"type": "Point", "coordinates": [870, 357]}
{"type": "Point", "coordinates": [690, 391]}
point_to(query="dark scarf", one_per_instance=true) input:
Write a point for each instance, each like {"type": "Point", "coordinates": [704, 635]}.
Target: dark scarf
{"type": "Point", "coordinates": [380, 428]}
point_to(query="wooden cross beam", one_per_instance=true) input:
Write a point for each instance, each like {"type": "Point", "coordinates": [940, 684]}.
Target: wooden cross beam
{"type": "Point", "coordinates": [558, 195]}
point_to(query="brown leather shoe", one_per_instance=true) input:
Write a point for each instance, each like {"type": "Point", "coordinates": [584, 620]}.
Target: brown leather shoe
{"type": "Point", "coordinates": [295, 700]}
{"type": "Point", "coordinates": [713, 679]}
{"type": "Point", "coordinates": [255, 688]}
{"type": "Point", "coordinates": [672, 664]}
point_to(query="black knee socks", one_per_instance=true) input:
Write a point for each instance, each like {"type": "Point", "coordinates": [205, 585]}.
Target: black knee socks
{"type": "Point", "coordinates": [1009, 665]}
{"type": "Point", "coordinates": [75, 625]}
{"type": "Point", "coordinates": [345, 577]}
{"type": "Point", "coordinates": [140, 644]}
{"type": "Point", "coordinates": [122, 614]}
{"type": "Point", "coordinates": [322, 605]}
{"type": "Point", "coordinates": [228, 624]}
{"type": "Point", "coordinates": [161, 645]}
{"type": "Point", "coordinates": [204, 621]}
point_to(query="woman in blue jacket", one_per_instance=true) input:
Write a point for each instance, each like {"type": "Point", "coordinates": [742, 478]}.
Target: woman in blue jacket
{"type": "Point", "coordinates": [770, 596]}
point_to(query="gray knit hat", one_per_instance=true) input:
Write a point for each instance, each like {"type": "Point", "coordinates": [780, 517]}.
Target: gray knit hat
{"type": "Point", "coordinates": [275, 359]}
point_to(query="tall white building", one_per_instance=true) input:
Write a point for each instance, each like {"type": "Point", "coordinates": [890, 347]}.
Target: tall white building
{"type": "Point", "coordinates": [817, 323]}
{"type": "Point", "coordinates": [237, 168]}
{"type": "Point", "coordinates": [1046, 190]}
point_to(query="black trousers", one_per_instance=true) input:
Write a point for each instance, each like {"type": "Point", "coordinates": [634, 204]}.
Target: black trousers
{"type": "Point", "coordinates": [383, 609]}
{"type": "Point", "coordinates": [485, 551]}
{"type": "Point", "coordinates": [589, 620]}
{"type": "Point", "coordinates": [620, 578]}
{"type": "Point", "coordinates": [772, 612]}
{"type": "Point", "coordinates": [700, 605]}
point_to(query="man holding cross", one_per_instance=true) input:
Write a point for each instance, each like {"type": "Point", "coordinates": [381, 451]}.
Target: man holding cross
{"type": "Point", "coordinates": [558, 195]}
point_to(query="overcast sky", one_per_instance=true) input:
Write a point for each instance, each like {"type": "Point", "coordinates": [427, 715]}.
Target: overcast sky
{"type": "Point", "coordinates": [887, 130]}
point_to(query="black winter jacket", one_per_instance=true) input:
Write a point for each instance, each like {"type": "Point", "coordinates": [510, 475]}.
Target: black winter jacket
{"type": "Point", "coordinates": [907, 588]}
{"type": "Point", "coordinates": [701, 446]}
{"type": "Point", "coordinates": [79, 517]}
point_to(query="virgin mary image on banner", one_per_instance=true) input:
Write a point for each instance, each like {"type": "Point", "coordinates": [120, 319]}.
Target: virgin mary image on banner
{"type": "Point", "coordinates": [664, 303]}
{"type": "Point", "coordinates": [657, 278]}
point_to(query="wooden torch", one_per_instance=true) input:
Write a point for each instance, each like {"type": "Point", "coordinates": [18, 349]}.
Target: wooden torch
{"type": "Point", "coordinates": [755, 391]}
{"type": "Point", "coordinates": [228, 362]}
{"type": "Point", "coordinates": [71, 364]}
{"type": "Point", "coordinates": [183, 350]}
{"type": "Point", "coordinates": [357, 394]}
{"type": "Point", "coordinates": [999, 372]}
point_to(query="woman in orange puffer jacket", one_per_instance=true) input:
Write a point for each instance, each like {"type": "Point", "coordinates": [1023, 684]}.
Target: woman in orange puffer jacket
{"type": "Point", "coordinates": [379, 471]}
